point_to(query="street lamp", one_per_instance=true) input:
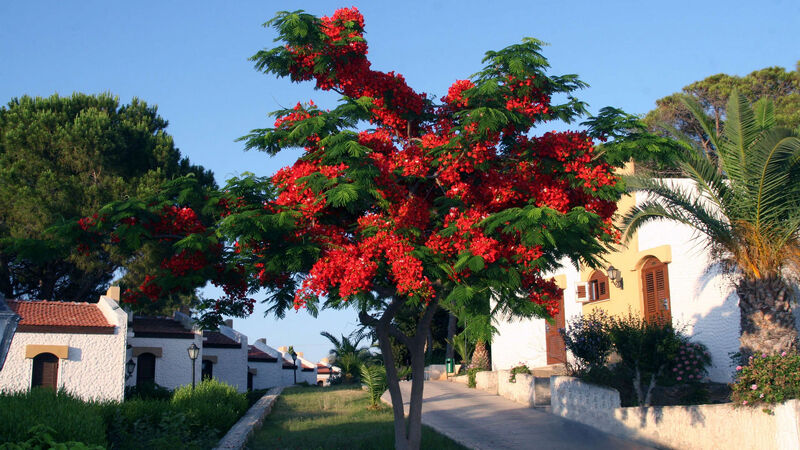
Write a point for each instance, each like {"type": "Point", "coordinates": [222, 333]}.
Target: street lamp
{"type": "Point", "coordinates": [193, 350]}
{"type": "Point", "coordinates": [129, 366]}
{"type": "Point", "coordinates": [8, 325]}
{"type": "Point", "coordinates": [294, 361]}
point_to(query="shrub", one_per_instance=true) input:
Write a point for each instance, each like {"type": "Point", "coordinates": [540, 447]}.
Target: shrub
{"type": "Point", "coordinates": [42, 436]}
{"type": "Point", "coordinates": [212, 402]}
{"type": "Point", "coordinates": [589, 341]}
{"type": "Point", "coordinates": [69, 418]}
{"type": "Point", "coordinates": [162, 428]}
{"type": "Point", "coordinates": [374, 377]}
{"type": "Point", "coordinates": [147, 391]}
{"type": "Point", "coordinates": [645, 348]}
{"type": "Point", "coordinates": [690, 365]}
{"type": "Point", "coordinates": [521, 368]}
{"type": "Point", "coordinates": [471, 372]}
{"type": "Point", "coordinates": [767, 380]}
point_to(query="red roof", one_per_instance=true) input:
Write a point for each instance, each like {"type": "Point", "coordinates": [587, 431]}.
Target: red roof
{"type": "Point", "coordinates": [60, 317]}
{"type": "Point", "coordinates": [163, 327]}
{"type": "Point", "coordinates": [254, 354]}
{"type": "Point", "coordinates": [322, 369]}
{"type": "Point", "coordinates": [215, 339]}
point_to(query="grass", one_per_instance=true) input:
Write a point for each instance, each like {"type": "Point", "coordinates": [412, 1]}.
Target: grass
{"type": "Point", "coordinates": [333, 417]}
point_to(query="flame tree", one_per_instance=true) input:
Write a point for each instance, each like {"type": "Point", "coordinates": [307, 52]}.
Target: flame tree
{"type": "Point", "coordinates": [399, 202]}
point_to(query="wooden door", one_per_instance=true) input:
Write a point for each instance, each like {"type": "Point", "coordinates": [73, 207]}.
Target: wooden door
{"type": "Point", "coordinates": [655, 286]}
{"type": "Point", "coordinates": [556, 349]}
{"type": "Point", "coordinates": [146, 369]}
{"type": "Point", "coordinates": [45, 371]}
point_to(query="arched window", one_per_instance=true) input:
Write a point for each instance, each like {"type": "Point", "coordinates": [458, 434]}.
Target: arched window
{"type": "Point", "coordinates": [207, 370]}
{"type": "Point", "coordinates": [45, 371]}
{"type": "Point", "coordinates": [655, 291]}
{"type": "Point", "coordinates": [145, 369]}
{"type": "Point", "coordinates": [598, 286]}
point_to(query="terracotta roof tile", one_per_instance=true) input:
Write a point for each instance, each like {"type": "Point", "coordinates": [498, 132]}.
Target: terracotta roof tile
{"type": "Point", "coordinates": [160, 327]}
{"type": "Point", "coordinates": [215, 339]}
{"type": "Point", "coordinates": [54, 317]}
{"type": "Point", "coordinates": [254, 354]}
{"type": "Point", "coordinates": [322, 369]}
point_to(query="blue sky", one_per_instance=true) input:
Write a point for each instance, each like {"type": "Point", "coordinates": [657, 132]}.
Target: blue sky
{"type": "Point", "coordinates": [190, 59]}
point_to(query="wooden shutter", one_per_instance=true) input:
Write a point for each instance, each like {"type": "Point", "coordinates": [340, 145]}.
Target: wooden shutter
{"type": "Point", "coordinates": [45, 371]}
{"type": "Point", "coordinates": [650, 306]}
{"type": "Point", "coordinates": [582, 291]}
{"type": "Point", "coordinates": [602, 289]}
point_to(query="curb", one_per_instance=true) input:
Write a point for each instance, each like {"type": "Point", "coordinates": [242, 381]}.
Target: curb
{"type": "Point", "coordinates": [237, 436]}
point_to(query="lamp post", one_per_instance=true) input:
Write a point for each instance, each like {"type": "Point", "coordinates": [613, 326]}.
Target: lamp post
{"type": "Point", "coordinates": [129, 366]}
{"type": "Point", "coordinates": [193, 350]}
{"type": "Point", "coordinates": [294, 361]}
{"type": "Point", "coordinates": [615, 276]}
{"type": "Point", "coordinates": [8, 325]}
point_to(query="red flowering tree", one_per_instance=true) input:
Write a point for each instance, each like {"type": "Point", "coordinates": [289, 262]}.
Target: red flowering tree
{"type": "Point", "coordinates": [399, 202]}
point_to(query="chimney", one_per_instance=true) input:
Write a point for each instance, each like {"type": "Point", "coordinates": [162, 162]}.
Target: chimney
{"type": "Point", "coordinates": [299, 354]}
{"type": "Point", "coordinates": [229, 323]}
{"type": "Point", "coordinates": [262, 340]}
{"type": "Point", "coordinates": [283, 349]}
{"type": "Point", "coordinates": [325, 361]}
{"type": "Point", "coordinates": [113, 292]}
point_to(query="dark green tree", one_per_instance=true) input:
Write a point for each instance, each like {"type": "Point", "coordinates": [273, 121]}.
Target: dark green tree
{"type": "Point", "coordinates": [62, 158]}
{"type": "Point", "coordinates": [671, 116]}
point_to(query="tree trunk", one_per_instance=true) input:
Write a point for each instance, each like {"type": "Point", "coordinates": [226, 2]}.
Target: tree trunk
{"type": "Point", "coordinates": [451, 331]}
{"type": "Point", "coordinates": [407, 434]}
{"type": "Point", "coordinates": [480, 357]}
{"type": "Point", "coordinates": [767, 323]}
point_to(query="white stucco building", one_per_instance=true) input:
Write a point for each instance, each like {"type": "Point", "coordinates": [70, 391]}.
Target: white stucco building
{"type": "Point", "coordinates": [78, 347]}
{"type": "Point", "coordinates": [265, 366]}
{"type": "Point", "coordinates": [225, 356]}
{"type": "Point", "coordinates": [665, 271]}
{"type": "Point", "coordinates": [325, 371]}
{"type": "Point", "coordinates": [159, 347]}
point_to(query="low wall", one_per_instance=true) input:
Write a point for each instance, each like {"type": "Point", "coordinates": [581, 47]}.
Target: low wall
{"type": "Point", "coordinates": [486, 381]}
{"type": "Point", "coordinates": [521, 390]}
{"type": "Point", "coordinates": [684, 427]}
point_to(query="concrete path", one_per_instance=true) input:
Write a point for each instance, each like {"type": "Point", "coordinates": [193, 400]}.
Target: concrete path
{"type": "Point", "coordinates": [480, 420]}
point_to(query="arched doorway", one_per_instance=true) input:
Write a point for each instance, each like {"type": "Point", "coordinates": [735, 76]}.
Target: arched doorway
{"type": "Point", "coordinates": [207, 371]}
{"type": "Point", "coordinates": [655, 291]}
{"type": "Point", "coordinates": [45, 371]}
{"type": "Point", "coordinates": [145, 369]}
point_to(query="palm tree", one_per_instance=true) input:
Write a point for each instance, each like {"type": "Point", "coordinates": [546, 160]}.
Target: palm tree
{"type": "Point", "coordinates": [746, 203]}
{"type": "Point", "coordinates": [347, 355]}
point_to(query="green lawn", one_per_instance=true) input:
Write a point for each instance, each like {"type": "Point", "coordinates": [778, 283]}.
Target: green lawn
{"type": "Point", "coordinates": [333, 417]}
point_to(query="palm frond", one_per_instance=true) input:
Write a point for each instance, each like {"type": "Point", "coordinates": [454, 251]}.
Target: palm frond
{"type": "Point", "coordinates": [764, 111]}
{"type": "Point", "coordinates": [738, 136]}
{"type": "Point", "coordinates": [699, 113]}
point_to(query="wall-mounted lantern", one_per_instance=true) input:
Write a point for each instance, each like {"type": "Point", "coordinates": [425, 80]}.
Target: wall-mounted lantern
{"type": "Point", "coordinates": [615, 276]}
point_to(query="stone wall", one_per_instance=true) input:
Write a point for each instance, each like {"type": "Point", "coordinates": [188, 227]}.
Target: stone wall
{"type": "Point", "coordinates": [486, 381]}
{"type": "Point", "coordinates": [684, 427]}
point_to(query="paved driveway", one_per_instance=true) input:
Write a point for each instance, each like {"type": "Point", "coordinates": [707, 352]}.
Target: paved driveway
{"type": "Point", "coordinates": [481, 420]}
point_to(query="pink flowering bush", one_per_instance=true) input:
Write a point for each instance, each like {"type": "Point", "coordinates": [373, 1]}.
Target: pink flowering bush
{"type": "Point", "coordinates": [767, 379]}
{"type": "Point", "coordinates": [690, 364]}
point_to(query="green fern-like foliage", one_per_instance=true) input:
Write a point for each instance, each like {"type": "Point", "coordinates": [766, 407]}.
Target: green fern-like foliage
{"type": "Point", "coordinates": [374, 378]}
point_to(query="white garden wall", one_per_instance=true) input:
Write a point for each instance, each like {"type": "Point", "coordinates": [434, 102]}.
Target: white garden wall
{"type": "Point", "coordinates": [684, 427]}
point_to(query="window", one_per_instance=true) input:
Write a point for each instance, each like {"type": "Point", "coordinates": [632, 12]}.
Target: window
{"type": "Point", "coordinates": [45, 371]}
{"type": "Point", "coordinates": [598, 286]}
{"type": "Point", "coordinates": [145, 369]}
{"type": "Point", "coordinates": [207, 370]}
